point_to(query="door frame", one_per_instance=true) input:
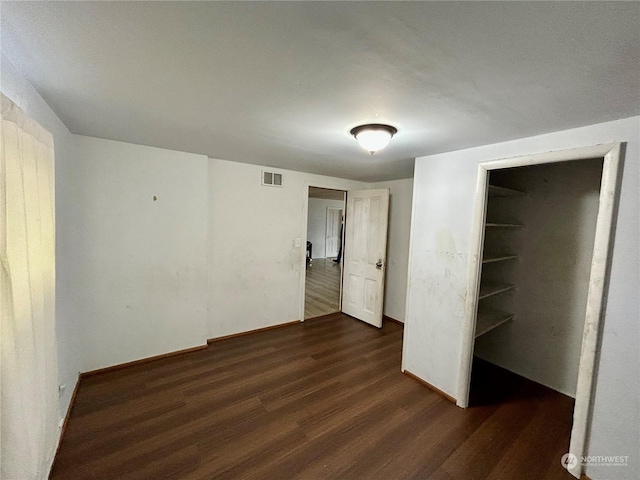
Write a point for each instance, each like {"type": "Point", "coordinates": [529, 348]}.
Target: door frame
{"type": "Point", "coordinates": [325, 225]}
{"type": "Point", "coordinates": [598, 283]}
{"type": "Point", "coordinates": [305, 222]}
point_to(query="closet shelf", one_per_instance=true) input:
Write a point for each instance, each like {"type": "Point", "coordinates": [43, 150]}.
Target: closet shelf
{"type": "Point", "coordinates": [497, 257]}
{"type": "Point", "coordinates": [504, 225]}
{"type": "Point", "coordinates": [487, 320]}
{"type": "Point", "coordinates": [495, 191]}
{"type": "Point", "coordinates": [488, 289]}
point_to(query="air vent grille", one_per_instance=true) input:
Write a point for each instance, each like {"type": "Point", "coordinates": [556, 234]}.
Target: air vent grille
{"type": "Point", "coordinates": [271, 179]}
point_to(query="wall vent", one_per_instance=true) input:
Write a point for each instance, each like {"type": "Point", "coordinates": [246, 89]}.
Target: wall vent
{"type": "Point", "coordinates": [271, 179]}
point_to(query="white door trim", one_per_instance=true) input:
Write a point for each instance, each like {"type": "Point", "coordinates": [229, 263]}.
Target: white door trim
{"type": "Point", "coordinates": [609, 192]}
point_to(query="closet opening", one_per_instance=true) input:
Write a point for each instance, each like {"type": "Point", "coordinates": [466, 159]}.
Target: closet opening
{"type": "Point", "coordinates": [542, 239]}
{"type": "Point", "coordinates": [325, 238]}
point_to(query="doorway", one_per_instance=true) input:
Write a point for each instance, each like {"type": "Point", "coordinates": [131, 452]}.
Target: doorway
{"type": "Point", "coordinates": [494, 226]}
{"type": "Point", "coordinates": [325, 227]}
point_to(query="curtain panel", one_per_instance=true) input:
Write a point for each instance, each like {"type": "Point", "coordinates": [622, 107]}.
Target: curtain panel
{"type": "Point", "coordinates": [29, 409]}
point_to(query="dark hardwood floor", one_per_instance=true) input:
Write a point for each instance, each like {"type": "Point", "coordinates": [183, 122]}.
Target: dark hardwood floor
{"type": "Point", "coordinates": [321, 399]}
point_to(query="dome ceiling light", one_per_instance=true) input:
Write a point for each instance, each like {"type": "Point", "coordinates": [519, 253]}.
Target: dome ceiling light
{"type": "Point", "coordinates": [373, 136]}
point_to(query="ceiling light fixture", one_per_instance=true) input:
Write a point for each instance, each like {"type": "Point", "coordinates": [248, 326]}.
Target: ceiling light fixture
{"type": "Point", "coordinates": [373, 136]}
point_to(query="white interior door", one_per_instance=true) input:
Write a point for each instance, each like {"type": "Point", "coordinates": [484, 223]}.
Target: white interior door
{"type": "Point", "coordinates": [332, 241]}
{"type": "Point", "coordinates": [364, 254]}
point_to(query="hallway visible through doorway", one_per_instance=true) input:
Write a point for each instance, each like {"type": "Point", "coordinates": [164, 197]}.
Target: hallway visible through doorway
{"type": "Point", "coordinates": [322, 288]}
{"type": "Point", "coordinates": [323, 276]}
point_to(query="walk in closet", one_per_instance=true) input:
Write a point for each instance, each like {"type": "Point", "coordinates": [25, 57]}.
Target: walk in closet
{"type": "Point", "coordinates": [539, 234]}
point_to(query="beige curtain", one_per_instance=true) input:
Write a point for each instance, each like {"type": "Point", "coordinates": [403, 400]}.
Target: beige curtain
{"type": "Point", "coordinates": [29, 393]}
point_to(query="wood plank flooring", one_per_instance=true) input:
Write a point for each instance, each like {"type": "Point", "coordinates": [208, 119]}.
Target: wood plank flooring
{"type": "Point", "coordinates": [322, 288]}
{"type": "Point", "coordinates": [323, 399]}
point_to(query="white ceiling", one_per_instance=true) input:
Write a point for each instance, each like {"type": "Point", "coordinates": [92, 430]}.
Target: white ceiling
{"type": "Point", "coordinates": [282, 83]}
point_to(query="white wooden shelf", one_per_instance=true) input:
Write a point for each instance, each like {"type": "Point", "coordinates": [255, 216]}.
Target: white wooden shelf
{"type": "Point", "coordinates": [488, 289]}
{"type": "Point", "coordinates": [497, 257]}
{"type": "Point", "coordinates": [487, 320]}
{"type": "Point", "coordinates": [495, 191]}
{"type": "Point", "coordinates": [504, 225]}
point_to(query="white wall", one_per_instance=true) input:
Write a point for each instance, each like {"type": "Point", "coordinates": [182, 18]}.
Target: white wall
{"type": "Point", "coordinates": [18, 89]}
{"type": "Point", "coordinates": [551, 275]}
{"type": "Point", "coordinates": [141, 281]}
{"type": "Point", "coordinates": [317, 223]}
{"type": "Point", "coordinates": [395, 295]}
{"type": "Point", "coordinates": [442, 219]}
{"type": "Point", "coordinates": [255, 269]}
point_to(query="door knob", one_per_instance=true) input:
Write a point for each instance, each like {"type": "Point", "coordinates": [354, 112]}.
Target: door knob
{"type": "Point", "coordinates": [379, 264]}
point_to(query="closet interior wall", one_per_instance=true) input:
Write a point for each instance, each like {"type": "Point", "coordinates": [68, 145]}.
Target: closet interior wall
{"type": "Point", "coordinates": [551, 230]}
